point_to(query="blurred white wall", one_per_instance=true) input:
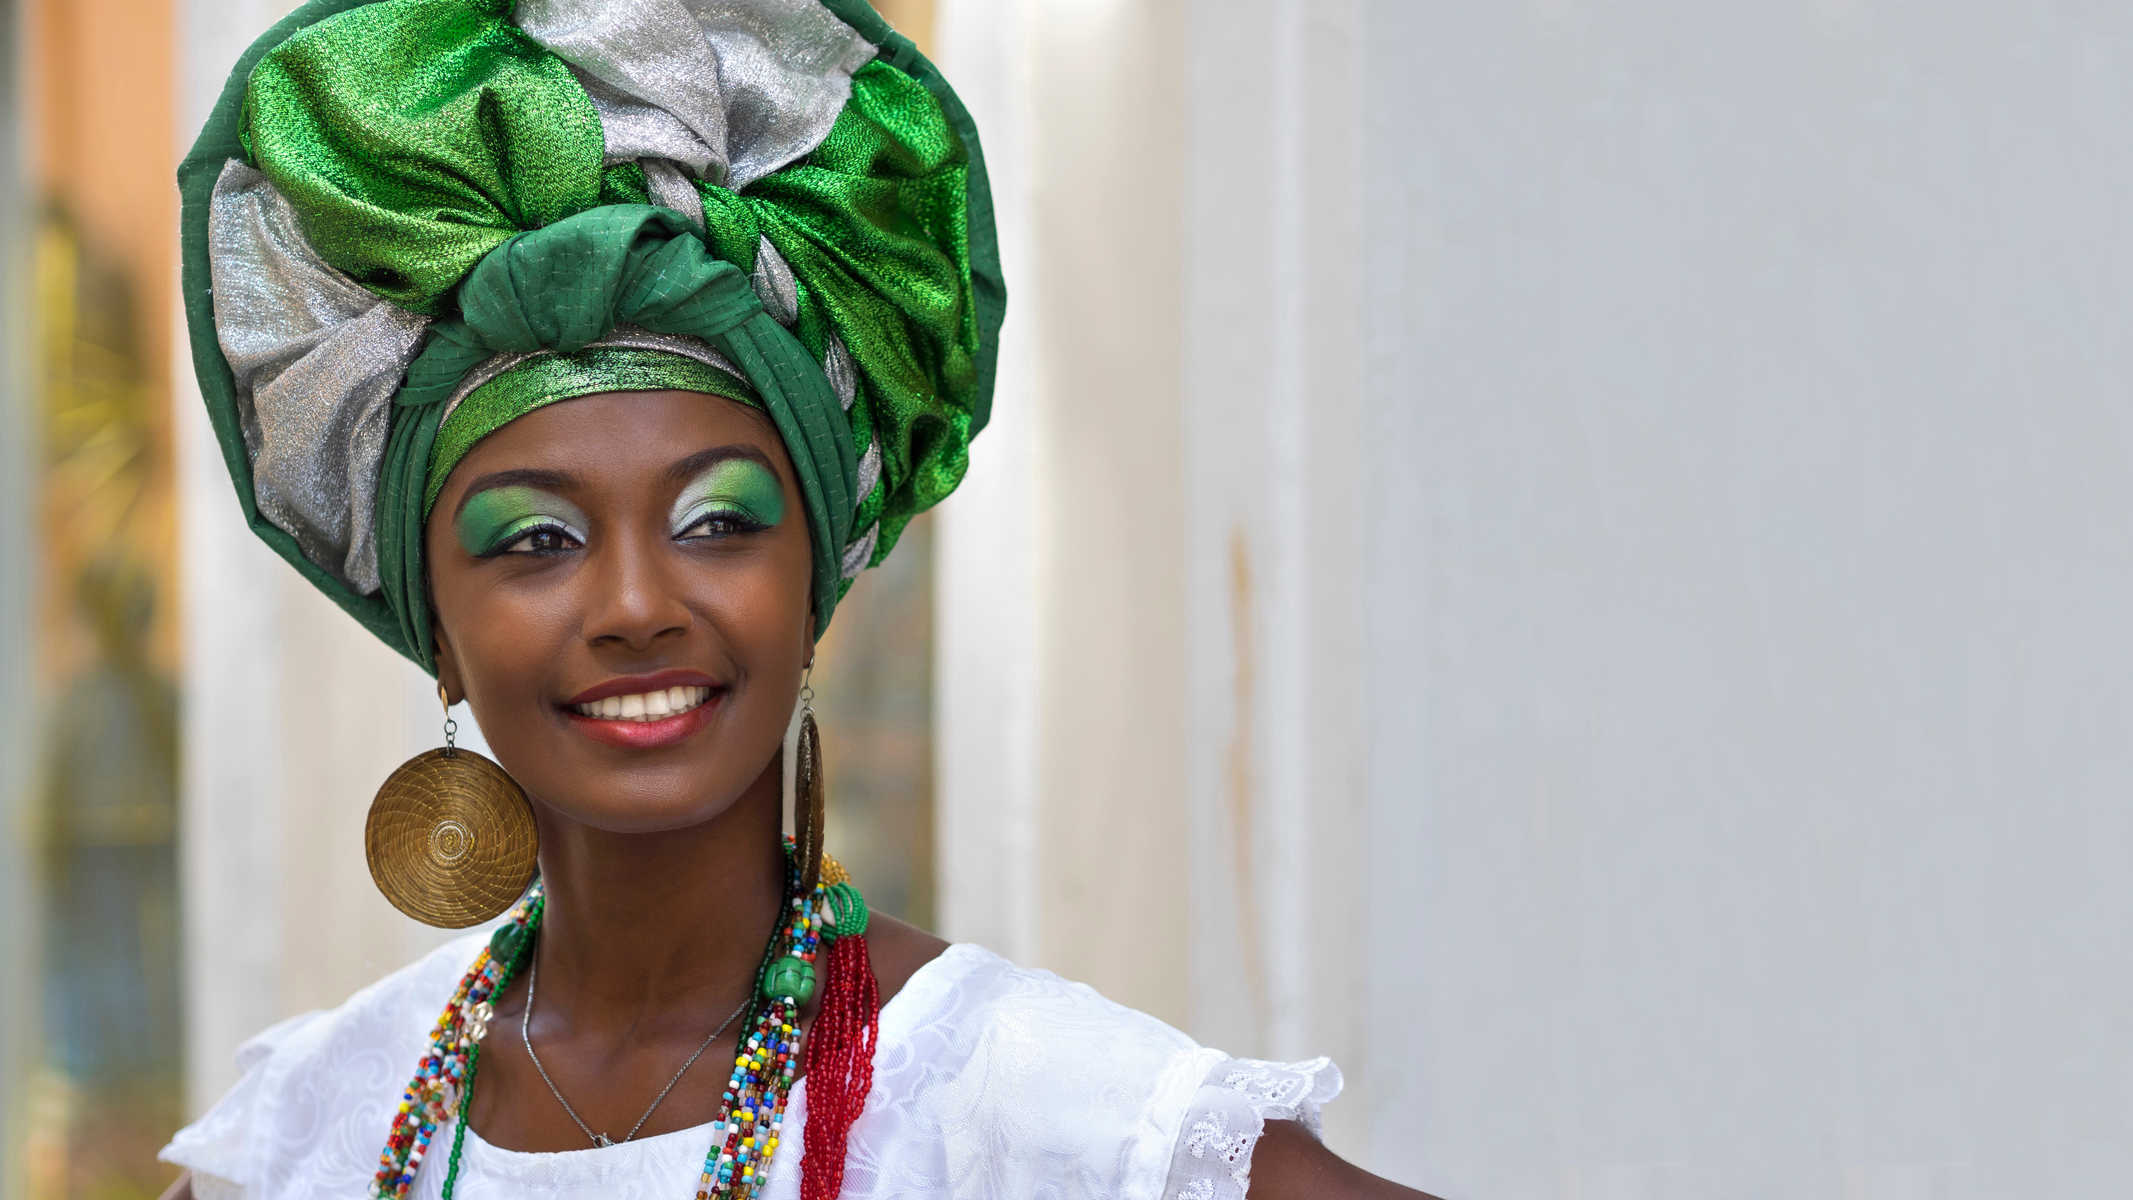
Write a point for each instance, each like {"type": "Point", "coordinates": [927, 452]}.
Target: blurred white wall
{"type": "Point", "coordinates": [1654, 668]}
{"type": "Point", "coordinates": [1762, 478]}
{"type": "Point", "coordinates": [1061, 684]}
{"type": "Point", "coordinates": [1160, 559]}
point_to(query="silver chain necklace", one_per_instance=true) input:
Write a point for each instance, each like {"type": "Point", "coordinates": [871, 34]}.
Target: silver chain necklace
{"type": "Point", "coordinates": [525, 1033]}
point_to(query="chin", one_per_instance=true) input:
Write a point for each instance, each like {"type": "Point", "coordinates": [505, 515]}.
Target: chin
{"type": "Point", "coordinates": [646, 801]}
{"type": "Point", "coordinates": [686, 776]}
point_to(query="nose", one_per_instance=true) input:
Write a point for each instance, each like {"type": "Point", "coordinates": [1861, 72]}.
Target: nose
{"type": "Point", "coordinates": [633, 593]}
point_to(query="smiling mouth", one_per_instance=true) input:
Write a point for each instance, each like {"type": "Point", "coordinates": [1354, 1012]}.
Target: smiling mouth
{"type": "Point", "coordinates": [645, 707]}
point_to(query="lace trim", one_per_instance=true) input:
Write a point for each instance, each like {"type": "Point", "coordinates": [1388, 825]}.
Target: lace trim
{"type": "Point", "coordinates": [1222, 1125]}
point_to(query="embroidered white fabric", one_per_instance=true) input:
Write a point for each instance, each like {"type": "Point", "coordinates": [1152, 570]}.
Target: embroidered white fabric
{"type": "Point", "coordinates": [991, 1081]}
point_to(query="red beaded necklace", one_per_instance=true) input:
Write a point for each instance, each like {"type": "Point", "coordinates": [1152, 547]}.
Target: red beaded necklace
{"type": "Point", "coordinates": [839, 1049]}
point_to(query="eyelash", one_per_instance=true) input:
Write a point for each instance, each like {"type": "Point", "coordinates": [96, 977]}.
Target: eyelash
{"type": "Point", "coordinates": [537, 531]}
{"type": "Point", "coordinates": [731, 522]}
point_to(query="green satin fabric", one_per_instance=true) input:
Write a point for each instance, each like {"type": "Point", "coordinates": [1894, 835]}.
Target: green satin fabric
{"type": "Point", "coordinates": [566, 286]}
{"type": "Point", "coordinates": [413, 136]}
{"type": "Point", "coordinates": [874, 225]}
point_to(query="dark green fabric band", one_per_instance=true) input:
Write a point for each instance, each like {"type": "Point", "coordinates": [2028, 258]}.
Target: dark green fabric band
{"type": "Point", "coordinates": [564, 287]}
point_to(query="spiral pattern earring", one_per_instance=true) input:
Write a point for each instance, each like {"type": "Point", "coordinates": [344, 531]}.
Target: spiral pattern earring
{"type": "Point", "coordinates": [450, 837]}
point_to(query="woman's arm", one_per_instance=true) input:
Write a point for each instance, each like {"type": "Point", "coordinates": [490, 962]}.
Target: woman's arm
{"type": "Point", "coordinates": [1290, 1164]}
{"type": "Point", "coordinates": [182, 1189]}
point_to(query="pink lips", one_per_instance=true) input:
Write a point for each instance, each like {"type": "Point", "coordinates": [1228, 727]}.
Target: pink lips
{"type": "Point", "coordinates": [645, 735]}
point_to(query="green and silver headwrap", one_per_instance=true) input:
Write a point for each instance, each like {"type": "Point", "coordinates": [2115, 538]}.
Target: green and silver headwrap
{"type": "Point", "coordinates": [409, 222]}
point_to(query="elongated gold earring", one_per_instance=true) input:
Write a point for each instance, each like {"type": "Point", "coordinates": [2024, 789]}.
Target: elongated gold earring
{"type": "Point", "coordinates": [810, 792]}
{"type": "Point", "coordinates": [450, 837]}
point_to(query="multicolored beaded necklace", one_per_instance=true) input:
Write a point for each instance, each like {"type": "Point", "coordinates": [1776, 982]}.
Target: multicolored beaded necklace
{"type": "Point", "coordinates": [840, 1048]}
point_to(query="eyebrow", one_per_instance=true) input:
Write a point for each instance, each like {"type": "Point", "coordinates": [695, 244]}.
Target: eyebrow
{"type": "Point", "coordinates": [557, 481]}
{"type": "Point", "coordinates": [694, 465]}
{"type": "Point", "coordinates": [553, 481]}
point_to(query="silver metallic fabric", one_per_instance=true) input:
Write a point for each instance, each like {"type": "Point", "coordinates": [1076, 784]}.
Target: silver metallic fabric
{"type": "Point", "coordinates": [630, 337]}
{"type": "Point", "coordinates": [729, 89]}
{"type": "Point", "coordinates": [317, 359]}
{"type": "Point", "coordinates": [843, 373]}
{"type": "Point", "coordinates": [862, 549]}
{"type": "Point", "coordinates": [774, 284]}
{"type": "Point", "coordinates": [639, 132]}
{"type": "Point", "coordinates": [671, 188]}
{"type": "Point", "coordinates": [869, 470]}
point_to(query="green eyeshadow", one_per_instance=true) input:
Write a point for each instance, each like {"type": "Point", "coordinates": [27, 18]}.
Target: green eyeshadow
{"type": "Point", "coordinates": [495, 517]}
{"type": "Point", "coordinates": [740, 488]}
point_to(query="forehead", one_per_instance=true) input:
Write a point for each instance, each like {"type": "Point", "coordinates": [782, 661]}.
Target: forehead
{"type": "Point", "coordinates": [620, 436]}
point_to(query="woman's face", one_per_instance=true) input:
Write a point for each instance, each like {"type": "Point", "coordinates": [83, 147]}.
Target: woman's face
{"type": "Point", "coordinates": [605, 560]}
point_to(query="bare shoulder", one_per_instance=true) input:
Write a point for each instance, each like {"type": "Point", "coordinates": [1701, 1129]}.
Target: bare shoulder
{"type": "Point", "coordinates": [898, 949]}
{"type": "Point", "coordinates": [181, 1188]}
{"type": "Point", "coordinates": [1290, 1164]}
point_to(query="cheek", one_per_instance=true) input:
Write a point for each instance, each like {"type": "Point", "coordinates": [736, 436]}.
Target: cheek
{"type": "Point", "coordinates": [493, 623]}
{"type": "Point", "coordinates": [758, 609]}
{"type": "Point", "coordinates": [505, 638]}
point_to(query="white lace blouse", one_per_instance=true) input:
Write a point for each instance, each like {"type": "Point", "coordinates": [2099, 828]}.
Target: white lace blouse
{"type": "Point", "coordinates": [991, 1082]}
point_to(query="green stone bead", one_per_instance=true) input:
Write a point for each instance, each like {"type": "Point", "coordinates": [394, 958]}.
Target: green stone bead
{"type": "Point", "coordinates": [790, 976]}
{"type": "Point", "coordinates": [506, 943]}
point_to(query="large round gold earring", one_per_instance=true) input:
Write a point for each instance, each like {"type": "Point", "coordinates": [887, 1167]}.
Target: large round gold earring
{"type": "Point", "coordinates": [810, 792]}
{"type": "Point", "coordinates": [450, 837]}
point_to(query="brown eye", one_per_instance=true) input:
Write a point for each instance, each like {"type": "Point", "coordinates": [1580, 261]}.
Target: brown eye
{"type": "Point", "coordinates": [547, 539]}
{"type": "Point", "coordinates": [722, 524]}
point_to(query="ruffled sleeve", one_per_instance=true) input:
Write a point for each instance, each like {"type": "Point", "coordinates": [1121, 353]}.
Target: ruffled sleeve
{"type": "Point", "coordinates": [998, 1080]}
{"type": "Point", "coordinates": [1226, 1116]}
{"type": "Point", "coordinates": [317, 1092]}
{"type": "Point", "coordinates": [221, 1148]}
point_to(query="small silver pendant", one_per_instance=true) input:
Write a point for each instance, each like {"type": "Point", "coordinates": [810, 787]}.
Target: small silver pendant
{"type": "Point", "coordinates": [602, 1141]}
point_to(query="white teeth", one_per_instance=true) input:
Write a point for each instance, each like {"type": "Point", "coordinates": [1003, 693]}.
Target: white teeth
{"type": "Point", "coordinates": [646, 706]}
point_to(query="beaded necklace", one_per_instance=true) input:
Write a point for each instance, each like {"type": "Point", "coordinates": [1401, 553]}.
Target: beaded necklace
{"type": "Point", "coordinates": [840, 1052]}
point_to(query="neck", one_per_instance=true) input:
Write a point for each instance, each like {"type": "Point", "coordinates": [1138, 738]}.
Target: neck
{"type": "Point", "coordinates": [640, 927]}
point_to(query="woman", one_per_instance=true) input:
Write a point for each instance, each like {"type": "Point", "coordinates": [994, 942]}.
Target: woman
{"type": "Point", "coordinates": [585, 351]}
